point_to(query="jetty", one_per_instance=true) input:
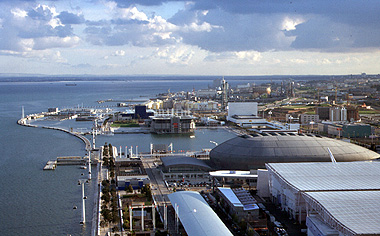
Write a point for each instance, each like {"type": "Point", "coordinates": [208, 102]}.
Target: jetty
{"type": "Point", "coordinates": [50, 165]}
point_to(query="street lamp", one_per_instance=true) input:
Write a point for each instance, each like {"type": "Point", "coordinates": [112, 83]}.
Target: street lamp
{"type": "Point", "coordinates": [82, 182]}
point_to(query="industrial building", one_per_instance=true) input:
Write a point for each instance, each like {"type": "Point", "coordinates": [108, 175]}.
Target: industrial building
{"type": "Point", "coordinates": [253, 151]}
{"type": "Point", "coordinates": [187, 169]}
{"type": "Point", "coordinates": [345, 130]}
{"type": "Point", "coordinates": [335, 198]}
{"type": "Point", "coordinates": [196, 216]}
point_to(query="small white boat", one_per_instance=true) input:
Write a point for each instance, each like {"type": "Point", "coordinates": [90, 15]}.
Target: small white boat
{"type": "Point", "coordinates": [192, 136]}
{"type": "Point", "coordinates": [83, 167]}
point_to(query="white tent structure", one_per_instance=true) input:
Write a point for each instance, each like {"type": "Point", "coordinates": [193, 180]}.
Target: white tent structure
{"type": "Point", "coordinates": [196, 216]}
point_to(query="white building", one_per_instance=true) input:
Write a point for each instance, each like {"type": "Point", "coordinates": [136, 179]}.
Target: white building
{"type": "Point", "coordinates": [339, 198]}
{"type": "Point", "coordinates": [244, 113]}
{"type": "Point", "coordinates": [307, 119]}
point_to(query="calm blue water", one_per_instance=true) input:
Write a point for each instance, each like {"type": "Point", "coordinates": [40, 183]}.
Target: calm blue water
{"type": "Point", "coordinates": [37, 202]}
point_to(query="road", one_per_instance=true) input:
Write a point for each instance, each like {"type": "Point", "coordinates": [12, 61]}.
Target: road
{"type": "Point", "coordinates": [159, 191]}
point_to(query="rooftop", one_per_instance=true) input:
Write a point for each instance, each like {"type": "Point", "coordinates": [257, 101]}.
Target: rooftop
{"type": "Point", "coordinates": [180, 160]}
{"type": "Point", "coordinates": [196, 215]}
{"type": "Point", "coordinates": [357, 212]}
{"type": "Point", "coordinates": [239, 198]}
{"type": "Point", "coordinates": [327, 176]}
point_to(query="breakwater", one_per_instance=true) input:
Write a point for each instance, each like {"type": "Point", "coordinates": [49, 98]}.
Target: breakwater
{"type": "Point", "coordinates": [23, 122]}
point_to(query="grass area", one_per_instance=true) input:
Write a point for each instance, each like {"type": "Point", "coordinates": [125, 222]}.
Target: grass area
{"type": "Point", "coordinates": [310, 113]}
{"type": "Point", "coordinates": [127, 125]}
{"type": "Point", "coordinates": [296, 107]}
{"type": "Point", "coordinates": [369, 112]}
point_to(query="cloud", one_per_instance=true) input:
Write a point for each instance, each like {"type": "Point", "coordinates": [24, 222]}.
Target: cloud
{"type": "Point", "coordinates": [40, 55]}
{"type": "Point", "coordinates": [243, 25]}
{"type": "Point", "coordinates": [230, 32]}
{"type": "Point", "coordinates": [180, 55]}
{"type": "Point", "coordinates": [250, 57]}
{"type": "Point", "coordinates": [131, 27]}
{"type": "Point", "coordinates": [70, 18]}
{"type": "Point", "coordinates": [28, 27]}
{"type": "Point", "coordinates": [119, 53]}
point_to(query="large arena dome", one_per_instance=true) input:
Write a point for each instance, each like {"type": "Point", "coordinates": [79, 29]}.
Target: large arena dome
{"type": "Point", "coordinates": [253, 151]}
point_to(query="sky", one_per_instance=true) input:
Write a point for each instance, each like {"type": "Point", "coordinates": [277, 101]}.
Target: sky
{"type": "Point", "coordinates": [200, 37]}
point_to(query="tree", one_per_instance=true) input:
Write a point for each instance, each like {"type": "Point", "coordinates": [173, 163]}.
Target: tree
{"type": "Point", "coordinates": [130, 188]}
{"type": "Point", "coordinates": [115, 229]}
{"type": "Point", "coordinates": [106, 198]}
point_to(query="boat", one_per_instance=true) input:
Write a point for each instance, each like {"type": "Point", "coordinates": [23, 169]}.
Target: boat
{"type": "Point", "coordinates": [71, 84]}
{"type": "Point", "coordinates": [192, 136]}
{"type": "Point", "coordinates": [83, 167]}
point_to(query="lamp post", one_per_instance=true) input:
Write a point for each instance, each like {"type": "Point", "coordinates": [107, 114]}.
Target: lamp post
{"type": "Point", "coordinates": [82, 182]}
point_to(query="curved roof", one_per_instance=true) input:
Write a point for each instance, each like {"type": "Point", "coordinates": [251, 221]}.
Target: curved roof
{"type": "Point", "coordinates": [178, 161]}
{"type": "Point", "coordinates": [251, 152]}
{"type": "Point", "coordinates": [196, 215]}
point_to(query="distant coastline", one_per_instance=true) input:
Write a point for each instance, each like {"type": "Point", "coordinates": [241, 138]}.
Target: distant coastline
{"type": "Point", "coordinates": [77, 78]}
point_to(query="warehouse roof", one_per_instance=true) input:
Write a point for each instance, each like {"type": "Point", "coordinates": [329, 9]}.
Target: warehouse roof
{"type": "Point", "coordinates": [327, 176]}
{"type": "Point", "coordinates": [356, 212]}
{"type": "Point", "coordinates": [196, 215]}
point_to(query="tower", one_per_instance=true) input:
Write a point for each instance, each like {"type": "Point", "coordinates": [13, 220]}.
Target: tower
{"type": "Point", "coordinates": [224, 94]}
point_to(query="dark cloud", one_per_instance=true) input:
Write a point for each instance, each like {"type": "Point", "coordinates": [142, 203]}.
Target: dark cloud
{"type": "Point", "coordinates": [231, 32]}
{"type": "Point", "coordinates": [70, 18]}
{"type": "Point", "coordinates": [339, 25]}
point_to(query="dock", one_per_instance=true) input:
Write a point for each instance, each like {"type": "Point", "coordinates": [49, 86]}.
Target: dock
{"type": "Point", "coordinates": [71, 160]}
{"type": "Point", "coordinates": [50, 165]}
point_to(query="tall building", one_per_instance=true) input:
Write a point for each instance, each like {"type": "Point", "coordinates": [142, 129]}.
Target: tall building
{"type": "Point", "coordinates": [352, 114]}
{"type": "Point", "coordinates": [224, 88]}
{"type": "Point", "coordinates": [323, 112]}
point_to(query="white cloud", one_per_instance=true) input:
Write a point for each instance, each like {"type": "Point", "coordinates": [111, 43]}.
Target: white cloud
{"type": "Point", "coordinates": [19, 13]}
{"type": "Point", "coordinates": [291, 23]}
{"type": "Point", "coordinates": [40, 55]}
{"type": "Point", "coordinates": [119, 53]}
{"type": "Point", "coordinates": [55, 42]}
{"type": "Point", "coordinates": [132, 13]}
{"type": "Point", "coordinates": [180, 55]}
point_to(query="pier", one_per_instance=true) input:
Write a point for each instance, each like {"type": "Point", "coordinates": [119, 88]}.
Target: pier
{"type": "Point", "coordinates": [50, 165]}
